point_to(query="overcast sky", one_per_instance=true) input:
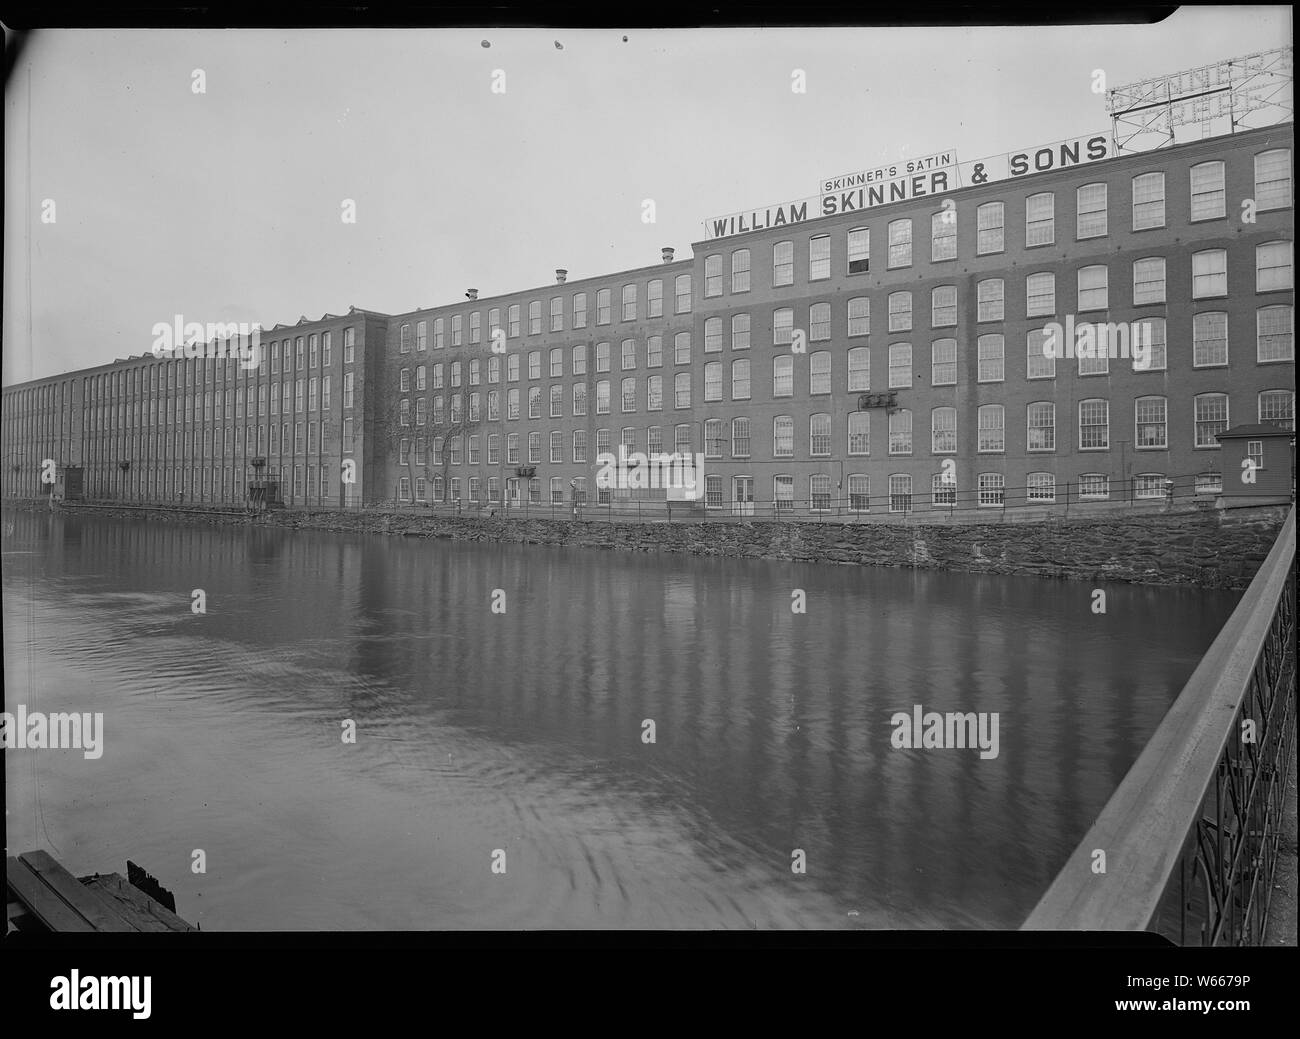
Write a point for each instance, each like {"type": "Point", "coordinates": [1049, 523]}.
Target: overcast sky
{"type": "Point", "coordinates": [226, 205]}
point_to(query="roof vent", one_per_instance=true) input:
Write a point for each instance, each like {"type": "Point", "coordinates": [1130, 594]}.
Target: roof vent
{"type": "Point", "coordinates": [668, 254]}
{"type": "Point", "coordinates": [471, 294]}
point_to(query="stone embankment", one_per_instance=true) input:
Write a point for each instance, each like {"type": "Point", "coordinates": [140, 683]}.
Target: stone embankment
{"type": "Point", "coordinates": [1203, 548]}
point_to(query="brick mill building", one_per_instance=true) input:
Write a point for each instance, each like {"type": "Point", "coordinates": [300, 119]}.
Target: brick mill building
{"type": "Point", "coordinates": [890, 358]}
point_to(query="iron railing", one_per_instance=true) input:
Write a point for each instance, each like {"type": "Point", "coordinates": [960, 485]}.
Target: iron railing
{"type": "Point", "coordinates": [1190, 837]}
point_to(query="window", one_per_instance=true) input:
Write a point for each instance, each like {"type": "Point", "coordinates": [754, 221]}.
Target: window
{"type": "Point", "coordinates": [1209, 339]}
{"type": "Point", "coordinates": [713, 438]}
{"type": "Point", "coordinates": [629, 302]}
{"type": "Point", "coordinates": [819, 322]}
{"type": "Point", "coordinates": [740, 270]}
{"type": "Point", "coordinates": [1273, 179]}
{"type": "Point", "coordinates": [1041, 487]}
{"type": "Point", "coordinates": [900, 493]}
{"type": "Point", "coordinates": [1040, 425]}
{"type": "Point", "coordinates": [494, 324]}
{"type": "Point", "coordinates": [1093, 287]}
{"type": "Point", "coordinates": [1209, 483]}
{"type": "Point", "coordinates": [991, 299]}
{"type": "Point", "coordinates": [1148, 201]}
{"type": "Point", "coordinates": [943, 235]}
{"type": "Point", "coordinates": [713, 381]}
{"type": "Point", "coordinates": [783, 263]}
{"type": "Point", "coordinates": [943, 431]}
{"type": "Point", "coordinates": [404, 381]}
{"type": "Point", "coordinates": [819, 435]}
{"type": "Point", "coordinates": [989, 232]}
{"type": "Point", "coordinates": [992, 489]}
{"type": "Point", "coordinates": [404, 340]}
{"type": "Point", "coordinates": [900, 366]}
{"type": "Point", "coordinates": [654, 391]}
{"type": "Point", "coordinates": [1094, 486]}
{"type": "Point", "coordinates": [557, 316]}
{"type": "Point", "coordinates": [579, 358]}
{"type": "Point", "coordinates": [819, 493]}
{"type": "Point", "coordinates": [740, 380]}
{"type": "Point", "coordinates": [712, 335]}
{"type": "Point", "coordinates": [1209, 273]}
{"type": "Point", "coordinates": [1040, 219]}
{"type": "Point", "coordinates": [579, 445]}
{"type": "Point", "coordinates": [1273, 267]}
{"type": "Point", "coordinates": [859, 433]}
{"type": "Point", "coordinates": [819, 258]}
{"type": "Point", "coordinates": [1149, 280]}
{"type": "Point", "coordinates": [557, 362]}
{"type": "Point", "coordinates": [557, 446]}
{"type": "Point", "coordinates": [602, 357]}
{"type": "Point", "coordinates": [783, 493]}
{"type": "Point", "coordinates": [655, 298]}
{"type": "Point", "coordinates": [512, 404]}
{"type": "Point", "coordinates": [992, 355]}
{"type": "Point", "coordinates": [476, 327]}
{"type": "Point", "coordinates": [438, 410]}
{"type": "Point", "coordinates": [557, 401]}
{"type": "Point", "coordinates": [682, 348]}
{"type": "Point", "coordinates": [1208, 196]}
{"type": "Point", "coordinates": [512, 321]}
{"type": "Point", "coordinates": [992, 429]}
{"type": "Point", "coordinates": [1149, 423]}
{"type": "Point", "coordinates": [1274, 339]}
{"type": "Point", "coordinates": [782, 326]}
{"type": "Point", "coordinates": [602, 307]}
{"type": "Point", "coordinates": [421, 410]}
{"type": "Point", "coordinates": [783, 376]}
{"type": "Point", "coordinates": [859, 368]}
{"type": "Point", "coordinates": [494, 368]}
{"type": "Point", "coordinates": [1152, 333]}
{"type": "Point", "coordinates": [1094, 425]}
{"type": "Point", "coordinates": [943, 306]}
{"type": "Point", "coordinates": [579, 399]}
{"type": "Point", "coordinates": [943, 491]}
{"type": "Point", "coordinates": [1277, 408]}
{"type": "Point", "coordinates": [1149, 485]}
{"type": "Point", "coordinates": [457, 329]}
{"type": "Point", "coordinates": [783, 437]}
{"type": "Point", "coordinates": [1040, 295]}
{"type": "Point", "coordinates": [683, 290]}
{"type": "Point", "coordinates": [682, 390]}
{"type": "Point", "coordinates": [535, 400]}
{"type": "Point", "coordinates": [455, 450]}
{"type": "Point", "coordinates": [943, 363]}
{"type": "Point", "coordinates": [900, 311]}
{"type": "Point", "coordinates": [859, 492]}
{"type": "Point", "coordinates": [494, 449]}
{"type": "Point", "coordinates": [900, 432]}
{"type": "Point", "coordinates": [1211, 418]}
{"type": "Point", "coordinates": [900, 243]}
{"type": "Point", "coordinates": [740, 437]}
{"type": "Point", "coordinates": [859, 249]}
{"type": "Point", "coordinates": [819, 372]}
{"type": "Point", "coordinates": [534, 364]}
{"type": "Point", "coordinates": [455, 370]}
{"type": "Point", "coordinates": [1090, 211]}
{"type": "Point", "coordinates": [579, 310]}
{"type": "Point", "coordinates": [859, 316]}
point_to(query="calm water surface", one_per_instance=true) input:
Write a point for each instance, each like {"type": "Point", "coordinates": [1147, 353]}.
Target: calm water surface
{"type": "Point", "coordinates": [522, 731]}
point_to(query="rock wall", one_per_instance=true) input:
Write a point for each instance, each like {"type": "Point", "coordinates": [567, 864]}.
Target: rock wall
{"type": "Point", "coordinates": [1207, 549]}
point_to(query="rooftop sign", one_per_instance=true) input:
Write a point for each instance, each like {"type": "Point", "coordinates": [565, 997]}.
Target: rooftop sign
{"type": "Point", "coordinates": [915, 178]}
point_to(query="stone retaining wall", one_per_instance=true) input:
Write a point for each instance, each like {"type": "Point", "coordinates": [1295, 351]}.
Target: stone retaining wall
{"type": "Point", "coordinates": [1207, 549]}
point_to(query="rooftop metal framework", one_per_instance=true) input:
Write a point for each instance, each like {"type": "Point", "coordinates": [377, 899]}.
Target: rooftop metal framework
{"type": "Point", "coordinates": [1235, 94]}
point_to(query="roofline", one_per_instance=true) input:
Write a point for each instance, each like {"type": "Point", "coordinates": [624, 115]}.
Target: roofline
{"type": "Point", "coordinates": [1035, 178]}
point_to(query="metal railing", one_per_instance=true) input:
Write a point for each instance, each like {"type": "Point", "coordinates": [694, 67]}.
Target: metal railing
{"type": "Point", "coordinates": [1190, 836]}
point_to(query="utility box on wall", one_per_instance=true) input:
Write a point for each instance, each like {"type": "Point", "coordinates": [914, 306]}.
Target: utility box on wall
{"type": "Point", "coordinates": [68, 483]}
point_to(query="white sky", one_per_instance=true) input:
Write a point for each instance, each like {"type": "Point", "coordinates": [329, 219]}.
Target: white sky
{"type": "Point", "coordinates": [225, 206]}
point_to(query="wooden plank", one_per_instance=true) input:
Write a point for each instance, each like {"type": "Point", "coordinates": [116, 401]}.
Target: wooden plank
{"type": "Point", "coordinates": [147, 913]}
{"type": "Point", "coordinates": [102, 913]}
{"type": "Point", "coordinates": [42, 902]}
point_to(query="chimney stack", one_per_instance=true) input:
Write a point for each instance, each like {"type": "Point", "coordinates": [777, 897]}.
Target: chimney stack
{"type": "Point", "coordinates": [560, 275]}
{"type": "Point", "coordinates": [668, 254]}
{"type": "Point", "coordinates": [471, 294]}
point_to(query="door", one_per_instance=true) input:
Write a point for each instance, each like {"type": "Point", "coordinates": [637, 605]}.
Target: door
{"type": "Point", "coordinates": [742, 496]}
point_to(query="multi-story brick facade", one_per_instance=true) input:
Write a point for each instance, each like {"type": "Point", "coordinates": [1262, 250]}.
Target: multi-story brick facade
{"type": "Point", "coordinates": [757, 352]}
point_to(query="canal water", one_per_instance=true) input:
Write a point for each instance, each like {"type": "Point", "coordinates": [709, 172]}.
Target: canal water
{"type": "Point", "coordinates": [501, 696]}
